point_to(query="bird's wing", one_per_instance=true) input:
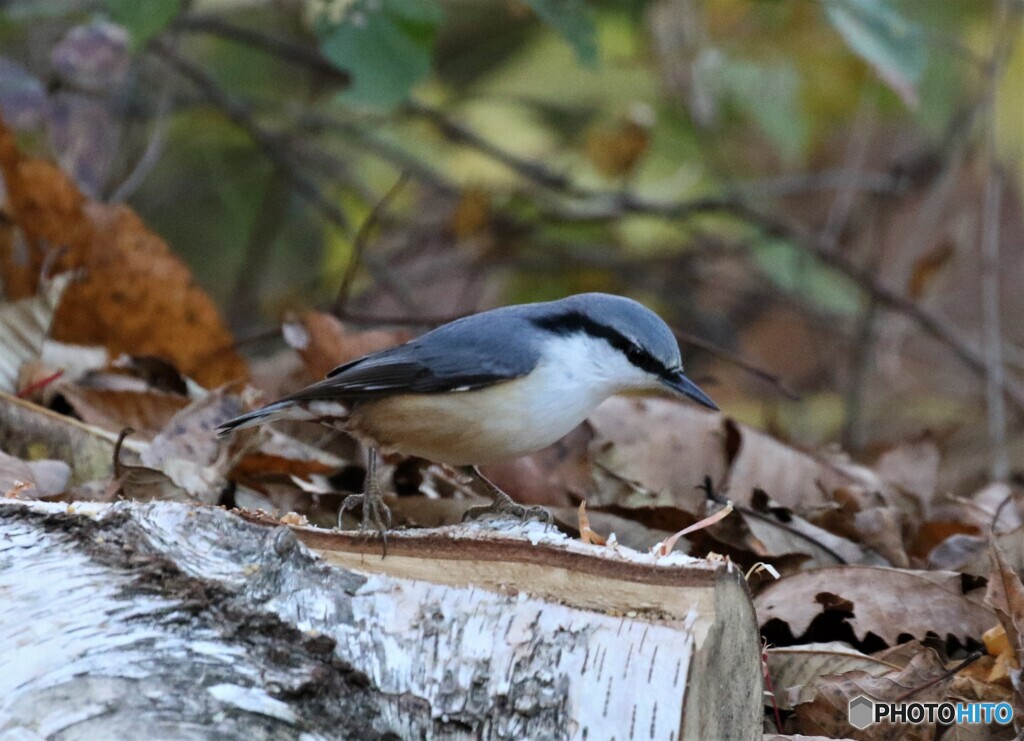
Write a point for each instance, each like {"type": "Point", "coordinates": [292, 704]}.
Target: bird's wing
{"type": "Point", "coordinates": [468, 354]}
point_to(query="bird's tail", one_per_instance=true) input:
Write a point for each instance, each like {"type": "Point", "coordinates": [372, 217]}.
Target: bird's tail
{"type": "Point", "coordinates": [277, 410]}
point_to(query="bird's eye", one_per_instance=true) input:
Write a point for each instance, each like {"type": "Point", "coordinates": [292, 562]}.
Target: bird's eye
{"type": "Point", "coordinates": [634, 353]}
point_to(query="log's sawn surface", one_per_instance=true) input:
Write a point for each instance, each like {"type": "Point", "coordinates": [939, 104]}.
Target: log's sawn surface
{"type": "Point", "coordinates": [169, 621]}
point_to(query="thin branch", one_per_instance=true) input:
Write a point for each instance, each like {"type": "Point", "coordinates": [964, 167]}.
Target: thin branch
{"type": "Point", "coordinates": [990, 294]}
{"type": "Point", "coordinates": [934, 325]}
{"type": "Point", "coordinates": [995, 376]}
{"type": "Point", "coordinates": [935, 680]}
{"type": "Point", "coordinates": [601, 205]}
{"type": "Point", "coordinates": [359, 243]}
{"type": "Point", "coordinates": [150, 155]}
{"type": "Point", "coordinates": [711, 494]}
{"type": "Point", "coordinates": [286, 50]}
{"type": "Point", "coordinates": [273, 145]}
{"type": "Point", "coordinates": [266, 226]}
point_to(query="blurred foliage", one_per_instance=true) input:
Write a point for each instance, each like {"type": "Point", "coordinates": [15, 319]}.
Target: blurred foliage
{"type": "Point", "coordinates": [548, 143]}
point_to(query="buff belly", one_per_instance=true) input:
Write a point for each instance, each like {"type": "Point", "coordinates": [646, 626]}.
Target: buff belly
{"type": "Point", "coordinates": [488, 425]}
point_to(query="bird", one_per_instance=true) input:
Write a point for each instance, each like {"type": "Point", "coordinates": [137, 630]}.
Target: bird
{"type": "Point", "coordinates": [489, 387]}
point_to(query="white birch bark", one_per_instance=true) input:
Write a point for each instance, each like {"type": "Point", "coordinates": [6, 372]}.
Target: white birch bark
{"type": "Point", "coordinates": [168, 621]}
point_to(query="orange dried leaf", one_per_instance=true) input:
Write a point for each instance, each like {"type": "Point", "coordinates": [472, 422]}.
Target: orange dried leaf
{"type": "Point", "coordinates": [586, 534]}
{"type": "Point", "coordinates": [472, 213]}
{"type": "Point", "coordinates": [665, 547]}
{"type": "Point", "coordinates": [616, 151]}
{"type": "Point", "coordinates": [135, 296]}
{"type": "Point", "coordinates": [996, 642]}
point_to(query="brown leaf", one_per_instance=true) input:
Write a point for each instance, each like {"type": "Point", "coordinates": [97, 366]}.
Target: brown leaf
{"type": "Point", "coordinates": [931, 534]}
{"type": "Point", "coordinates": [1005, 594]}
{"type": "Point", "coordinates": [826, 702]}
{"type": "Point", "coordinates": [654, 452]}
{"type": "Point", "coordinates": [188, 450]}
{"type": "Point", "coordinates": [792, 477]}
{"type": "Point", "coordinates": [615, 151]}
{"type": "Point", "coordinates": [780, 531]}
{"type": "Point", "coordinates": [886, 602]}
{"type": "Point", "coordinates": [913, 468]}
{"type": "Point", "coordinates": [142, 483]}
{"type": "Point", "coordinates": [147, 412]}
{"type": "Point", "coordinates": [796, 666]}
{"type": "Point", "coordinates": [134, 295]}
{"type": "Point", "coordinates": [927, 268]}
{"type": "Point", "coordinates": [880, 529]}
{"type": "Point", "coordinates": [325, 343]}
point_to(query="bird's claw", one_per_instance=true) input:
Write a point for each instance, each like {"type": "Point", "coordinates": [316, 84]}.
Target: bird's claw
{"type": "Point", "coordinates": [376, 515]}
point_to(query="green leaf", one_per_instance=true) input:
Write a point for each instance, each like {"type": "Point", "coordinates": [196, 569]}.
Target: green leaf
{"type": "Point", "coordinates": [144, 19]}
{"type": "Point", "coordinates": [574, 23]}
{"type": "Point", "coordinates": [796, 273]}
{"type": "Point", "coordinates": [894, 46]}
{"type": "Point", "coordinates": [386, 46]}
{"type": "Point", "coordinates": [769, 94]}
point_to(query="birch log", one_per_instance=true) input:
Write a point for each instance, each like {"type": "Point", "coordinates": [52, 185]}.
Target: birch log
{"type": "Point", "coordinates": [168, 621]}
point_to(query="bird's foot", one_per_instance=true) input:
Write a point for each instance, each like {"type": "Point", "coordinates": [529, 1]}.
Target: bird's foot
{"type": "Point", "coordinates": [504, 506]}
{"type": "Point", "coordinates": [376, 515]}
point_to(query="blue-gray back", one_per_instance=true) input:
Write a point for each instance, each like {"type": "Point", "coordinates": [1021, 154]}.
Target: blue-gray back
{"type": "Point", "coordinates": [494, 346]}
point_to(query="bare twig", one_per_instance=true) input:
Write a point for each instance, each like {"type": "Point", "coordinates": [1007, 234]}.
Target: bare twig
{"type": "Point", "coordinates": [935, 680]}
{"type": "Point", "coordinates": [287, 50]}
{"type": "Point", "coordinates": [709, 491]}
{"type": "Point", "coordinates": [150, 155]}
{"type": "Point", "coordinates": [995, 372]}
{"type": "Point", "coordinates": [265, 228]}
{"type": "Point", "coordinates": [273, 145]}
{"type": "Point", "coordinates": [990, 295]}
{"type": "Point", "coordinates": [359, 243]}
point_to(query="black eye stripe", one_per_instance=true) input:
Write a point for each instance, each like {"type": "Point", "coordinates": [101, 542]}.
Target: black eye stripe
{"type": "Point", "coordinates": [573, 322]}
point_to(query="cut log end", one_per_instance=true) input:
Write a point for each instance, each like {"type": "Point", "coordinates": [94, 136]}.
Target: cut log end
{"type": "Point", "coordinates": [132, 617]}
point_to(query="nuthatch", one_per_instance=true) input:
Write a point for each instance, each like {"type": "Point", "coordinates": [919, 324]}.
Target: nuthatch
{"type": "Point", "coordinates": [489, 387]}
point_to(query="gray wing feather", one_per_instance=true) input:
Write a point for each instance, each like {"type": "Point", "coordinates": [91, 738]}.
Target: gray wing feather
{"type": "Point", "coordinates": [471, 353]}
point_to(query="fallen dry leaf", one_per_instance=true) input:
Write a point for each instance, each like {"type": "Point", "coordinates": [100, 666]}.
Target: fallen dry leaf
{"type": "Point", "coordinates": [631, 470]}
{"type": "Point", "coordinates": [324, 342]}
{"type": "Point", "coordinates": [824, 705]}
{"type": "Point", "coordinates": [889, 603]}
{"type": "Point", "coordinates": [142, 483]}
{"type": "Point", "coordinates": [24, 327]}
{"type": "Point", "coordinates": [1005, 594]}
{"type": "Point", "coordinates": [881, 529]}
{"type": "Point", "coordinates": [188, 450]}
{"type": "Point", "coordinates": [146, 412]}
{"type": "Point", "coordinates": [32, 479]}
{"type": "Point", "coordinates": [796, 666]}
{"type": "Point", "coordinates": [914, 469]}
{"type": "Point", "coordinates": [781, 531]}
{"type": "Point", "coordinates": [134, 295]}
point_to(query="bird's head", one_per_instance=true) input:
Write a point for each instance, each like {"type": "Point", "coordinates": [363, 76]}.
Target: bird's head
{"type": "Point", "coordinates": [627, 342]}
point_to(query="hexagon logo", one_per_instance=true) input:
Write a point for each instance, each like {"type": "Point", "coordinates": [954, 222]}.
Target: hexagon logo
{"type": "Point", "coordinates": [862, 712]}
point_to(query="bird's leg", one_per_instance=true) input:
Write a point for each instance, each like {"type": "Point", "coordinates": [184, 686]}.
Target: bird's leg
{"type": "Point", "coordinates": [376, 515]}
{"type": "Point", "coordinates": [502, 504]}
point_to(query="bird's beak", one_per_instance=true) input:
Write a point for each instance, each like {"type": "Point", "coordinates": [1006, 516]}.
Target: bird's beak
{"type": "Point", "coordinates": [683, 386]}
